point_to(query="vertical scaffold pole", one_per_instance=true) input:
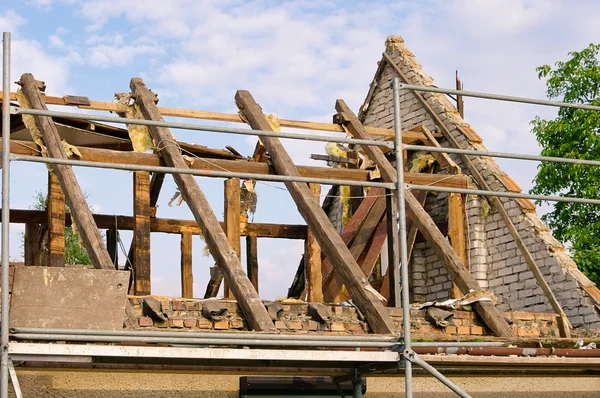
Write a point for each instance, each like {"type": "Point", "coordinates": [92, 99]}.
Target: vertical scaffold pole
{"type": "Point", "coordinates": [402, 232]}
{"type": "Point", "coordinates": [5, 212]}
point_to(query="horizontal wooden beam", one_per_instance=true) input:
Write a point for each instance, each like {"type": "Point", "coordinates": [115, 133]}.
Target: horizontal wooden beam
{"type": "Point", "coordinates": [165, 225]}
{"type": "Point", "coordinates": [109, 156]}
{"type": "Point", "coordinates": [408, 136]}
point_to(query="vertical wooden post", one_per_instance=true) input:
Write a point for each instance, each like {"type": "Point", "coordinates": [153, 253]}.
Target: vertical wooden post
{"type": "Point", "coordinates": [32, 244]}
{"type": "Point", "coordinates": [252, 260]}
{"type": "Point", "coordinates": [393, 248]}
{"type": "Point", "coordinates": [187, 279]}
{"type": "Point", "coordinates": [56, 223]}
{"type": "Point", "coordinates": [312, 259]}
{"type": "Point", "coordinates": [112, 245]}
{"type": "Point", "coordinates": [232, 220]}
{"type": "Point", "coordinates": [141, 226]}
{"type": "Point", "coordinates": [456, 232]}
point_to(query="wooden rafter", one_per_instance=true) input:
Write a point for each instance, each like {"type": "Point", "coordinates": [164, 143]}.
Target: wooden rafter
{"type": "Point", "coordinates": [328, 238]}
{"type": "Point", "coordinates": [89, 233]}
{"type": "Point", "coordinates": [492, 317]}
{"type": "Point", "coordinates": [225, 256]}
{"type": "Point", "coordinates": [408, 136]}
{"type": "Point", "coordinates": [109, 156]}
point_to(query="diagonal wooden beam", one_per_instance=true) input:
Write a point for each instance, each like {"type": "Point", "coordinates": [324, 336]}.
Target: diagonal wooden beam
{"type": "Point", "coordinates": [331, 243]}
{"type": "Point", "coordinates": [90, 235]}
{"type": "Point", "coordinates": [492, 317]}
{"type": "Point", "coordinates": [332, 283]}
{"type": "Point", "coordinates": [226, 258]}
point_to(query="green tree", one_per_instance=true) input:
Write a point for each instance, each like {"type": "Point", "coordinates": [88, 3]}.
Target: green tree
{"type": "Point", "coordinates": [74, 252]}
{"type": "Point", "coordinates": [574, 133]}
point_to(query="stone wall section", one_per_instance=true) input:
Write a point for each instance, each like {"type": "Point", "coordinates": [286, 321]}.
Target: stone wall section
{"type": "Point", "coordinates": [495, 260]}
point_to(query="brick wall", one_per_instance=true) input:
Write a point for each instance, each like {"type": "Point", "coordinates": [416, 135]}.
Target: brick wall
{"type": "Point", "coordinates": [495, 260]}
{"type": "Point", "coordinates": [294, 317]}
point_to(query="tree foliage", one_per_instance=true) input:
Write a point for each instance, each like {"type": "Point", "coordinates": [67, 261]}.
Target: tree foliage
{"type": "Point", "coordinates": [575, 133]}
{"type": "Point", "coordinates": [74, 252]}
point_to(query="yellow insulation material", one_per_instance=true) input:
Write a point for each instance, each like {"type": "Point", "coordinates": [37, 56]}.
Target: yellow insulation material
{"type": "Point", "coordinates": [421, 162]}
{"type": "Point", "coordinates": [139, 135]}
{"type": "Point", "coordinates": [333, 149]}
{"type": "Point", "coordinates": [274, 122]}
{"type": "Point", "coordinates": [29, 122]}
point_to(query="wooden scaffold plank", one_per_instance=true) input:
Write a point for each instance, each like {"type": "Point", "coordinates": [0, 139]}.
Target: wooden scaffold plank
{"type": "Point", "coordinates": [492, 317]}
{"type": "Point", "coordinates": [89, 233]}
{"type": "Point", "coordinates": [218, 244]}
{"type": "Point", "coordinates": [363, 294]}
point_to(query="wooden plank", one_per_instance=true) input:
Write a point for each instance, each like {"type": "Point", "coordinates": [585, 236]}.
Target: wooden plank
{"type": "Point", "coordinates": [456, 233]}
{"type": "Point", "coordinates": [312, 259]}
{"type": "Point", "coordinates": [156, 183]}
{"type": "Point", "coordinates": [31, 244]}
{"type": "Point", "coordinates": [496, 204]}
{"type": "Point", "coordinates": [70, 298]}
{"type": "Point", "coordinates": [391, 212]}
{"type": "Point", "coordinates": [232, 220]}
{"type": "Point", "coordinates": [329, 240]}
{"type": "Point", "coordinates": [209, 164]}
{"type": "Point", "coordinates": [332, 283]}
{"type": "Point", "coordinates": [141, 232]}
{"type": "Point", "coordinates": [252, 260]}
{"type": "Point", "coordinates": [224, 255]}
{"type": "Point", "coordinates": [89, 233]}
{"type": "Point", "coordinates": [407, 136]}
{"type": "Point", "coordinates": [167, 225]}
{"type": "Point", "coordinates": [187, 279]}
{"type": "Point", "coordinates": [492, 317]}
{"type": "Point", "coordinates": [112, 245]}
{"type": "Point", "coordinates": [56, 223]}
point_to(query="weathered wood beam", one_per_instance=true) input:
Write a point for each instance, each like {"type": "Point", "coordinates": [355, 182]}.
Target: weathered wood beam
{"type": "Point", "coordinates": [456, 233]}
{"type": "Point", "coordinates": [187, 278]}
{"type": "Point", "coordinates": [443, 158]}
{"type": "Point", "coordinates": [156, 183]}
{"type": "Point", "coordinates": [232, 220]}
{"type": "Point", "coordinates": [312, 259]}
{"type": "Point", "coordinates": [408, 136]}
{"type": "Point", "coordinates": [32, 244]}
{"type": "Point", "coordinates": [492, 317]}
{"type": "Point", "coordinates": [112, 245]}
{"type": "Point", "coordinates": [89, 233]}
{"type": "Point", "coordinates": [141, 233]}
{"type": "Point", "coordinates": [391, 212]}
{"type": "Point", "coordinates": [166, 225]}
{"type": "Point", "coordinates": [105, 155]}
{"type": "Point", "coordinates": [329, 240]}
{"type": "Point", "coordinates": [225, 256]}
{"type": "Point", "coordinates": [332, 284]}
{"type": "Point", "coordinates": [496, 204]}
{"type": "Point", "coordinates": [252, 260]}
{"type": "Point", "coordinates": [56, 223]}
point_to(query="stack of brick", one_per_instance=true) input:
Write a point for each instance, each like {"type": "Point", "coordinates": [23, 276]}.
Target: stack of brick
{"type": "Point", "coordinates": [495, 260]}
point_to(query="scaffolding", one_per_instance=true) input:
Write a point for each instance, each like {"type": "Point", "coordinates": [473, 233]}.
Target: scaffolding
{"type": "Point", "coordinates": [296, 351]}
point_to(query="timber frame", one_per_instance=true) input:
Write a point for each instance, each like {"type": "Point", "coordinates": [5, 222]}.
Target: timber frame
{"type": "Point", "coordinates": [336, 266]}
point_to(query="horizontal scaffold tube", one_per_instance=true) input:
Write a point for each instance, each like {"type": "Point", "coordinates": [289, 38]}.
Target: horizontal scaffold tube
{"type": "Point", "coordinates": [199, 127]}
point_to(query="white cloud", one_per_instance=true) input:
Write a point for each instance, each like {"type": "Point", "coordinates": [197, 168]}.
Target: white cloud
{"type": "Point", "coordinates": [10, 21]}
{"type": "Point", "coordinates": [56, 42]}
{"type": "Point", "coordinates": [105, 56]}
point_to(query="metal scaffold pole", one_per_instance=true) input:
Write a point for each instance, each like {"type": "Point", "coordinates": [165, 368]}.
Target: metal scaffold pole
{"type": "Point", "coordinates": [5, 212]}
{"type": "Point", "coordinates": [402, 233]}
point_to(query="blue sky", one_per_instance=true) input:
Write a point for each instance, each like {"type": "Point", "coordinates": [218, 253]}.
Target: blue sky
{"type": "Point", "coordinates": [296, 58]}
